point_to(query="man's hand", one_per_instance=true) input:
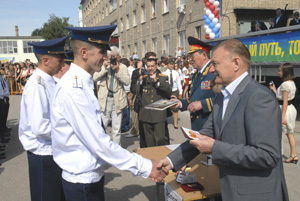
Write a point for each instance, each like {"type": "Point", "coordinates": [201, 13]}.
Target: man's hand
{"type": "Point", "coordinates": [165, 165]}
{"type": "Point", "coordinates": [106, 63]}
{"type": "Point", "coordinates": [203, 143]}
{"type": "Point", "coordinates": [157, 174]}
{"type": "Point", "coordinates": [174, 98]}
{"type": "Point", "coordinates": [115, 67]}
{"type": "Point", "coordinates": [153, 77]}
{"type": "Point", "coordinates": [194, 106]}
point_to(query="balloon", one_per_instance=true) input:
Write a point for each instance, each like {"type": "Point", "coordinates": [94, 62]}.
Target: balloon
{"type": "Point", "coordinates": [205, 1]}
{"type": "Point", "coordinates": [205, 17]}
{"type": "Point", "coordinates": [207, 4]}
{"type": "Point", "coordinates": [212, 35]}
{"type": "Point", "coordinates": [218, 8]}
{"type": "Point", "coordinates": [211, 1]}
{"type": "Point", "coordinates": [218, 17]}
{"type": "Point", "coordinates": [205, 9]}
{"type": "Point", "coordinates": [217, 35]}
{"type": "Point", "coordinates": [212, 7]}
{"type": "Point", "coordinates": [208, 31]}
{"type": "Point", "coordinates": [208, 12]}
{"type": "Point", "coordinates": [216, 3]}
{"type": "Point", "coordinates": [205, 26]}
{"type": "Point", "coordinates": [211, 16]}
{"type": "Point", "coordinates": [218, 25]}
{"type": "Point", "coordinates": [211, 25]}
{"type": "Point", "coordinates": [215, 20]}
{"type": "Point", "coordinates": [215, 12]}
{"type": "Point", "coordinates": [207, 36]}
{"type": "Point", "coordinates": [207, 21]}
{"type": "Point", "coordinates": [215, 30]}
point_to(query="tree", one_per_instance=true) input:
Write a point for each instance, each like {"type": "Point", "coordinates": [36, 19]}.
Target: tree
{"type": "Point", "coordinates": [54, 28]}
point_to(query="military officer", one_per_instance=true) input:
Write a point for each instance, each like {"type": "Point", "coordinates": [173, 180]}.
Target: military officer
{"type": "Point", "coordinates": [200, 101]}
{"type": "Point", "coordinates": [154, 86]}
{"type": "Point", "coordinates": [80, 145]}
{"type": "Point", "coordinates": [67, 62]}
{"type": "Point", "coordinates": [35, 126]}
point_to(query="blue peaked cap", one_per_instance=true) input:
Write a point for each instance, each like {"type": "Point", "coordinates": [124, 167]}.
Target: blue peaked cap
{"type": "Point", "coordinates": [55, 46]}
{"type": "Point", "coordinates": [69, 56]}
{"type": "Point", "coordinates": [96, 35]}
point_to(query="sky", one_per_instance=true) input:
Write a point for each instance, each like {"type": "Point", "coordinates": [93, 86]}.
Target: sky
{"type": "Point", "coordinates": [32, 14]}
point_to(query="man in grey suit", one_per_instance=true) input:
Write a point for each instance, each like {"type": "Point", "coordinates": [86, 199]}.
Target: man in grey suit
{"type": "Point", "coordinates": [243, 132]}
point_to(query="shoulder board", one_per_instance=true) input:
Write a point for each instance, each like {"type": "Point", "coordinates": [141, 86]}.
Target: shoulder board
{"type": "Point", "coordinates": [145, 75]}
{"type": "Point", "coordinates": [77, 83]}
{"type": "Point", "coordinates": [40, 80]}
{"type": "Point", "coordinates": [162, 75]}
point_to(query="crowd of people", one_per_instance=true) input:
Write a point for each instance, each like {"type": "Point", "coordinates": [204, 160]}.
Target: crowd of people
{"type": "Point", "coordinates": [71, 99]}
{"type": "Point", "coordinates": [280, 20]}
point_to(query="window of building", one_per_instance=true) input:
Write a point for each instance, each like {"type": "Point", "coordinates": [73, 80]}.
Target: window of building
{"type": "Point", "coordinates": [127, 22]}
{"type": "Point", "coordinates": [143, 16]}
{"type": "Point", "coordinates": [153, 8]}
{"type": "Point", "coordinates": [116, 31]}
{"type": "Point", "coordinates": [182, 2]}
{"type": "Point", "coordinates": [166, 6]}
{"type": "Point", "coordinates": [144, 48]}
{"type": "Point", "coordinates": [154, 44]}
{"type": "Point", "coordinates": [167, 44]}
{"type": "Point", "coordinates": [9, 47]}
{"type": "Point", "coordinates": [182, 39]}
{"type": "Point", "coordinates": [121, 24]}
{"type": "Point", "coordinates": [134, 18]}
{"type": "Point", "coordinates": [106, 10]}
{"type": "Point", "coordinates": [28, 48]}
{"type": "Point", "coordinates": [198, 32]}
{"type": "Point", "coordinates": [136, 48]}
{"type": "Point", "coordinates": [123, 51]}
{"type": "Point", "coordinates": [128, 51]}
{"type": "Point", "coordinates": [113, 5]}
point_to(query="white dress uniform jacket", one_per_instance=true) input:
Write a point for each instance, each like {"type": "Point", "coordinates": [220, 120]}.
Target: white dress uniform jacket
{"type": "Point", "coordinates": [80, 145]}
{"type": "Point", "coordinates": [35, 123]}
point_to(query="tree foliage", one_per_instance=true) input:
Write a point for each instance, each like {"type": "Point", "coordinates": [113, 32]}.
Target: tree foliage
{"type": "Point", "coordinates": [54, 28]}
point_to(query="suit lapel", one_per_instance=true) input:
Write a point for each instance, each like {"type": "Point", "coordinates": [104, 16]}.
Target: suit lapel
{"type": "Point", "coordinates": [234, 101]}
{"type": "Point", "coordinates": [218, 107]}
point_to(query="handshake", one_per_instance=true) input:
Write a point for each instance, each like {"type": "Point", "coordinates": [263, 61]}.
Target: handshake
{"type": "Point", "coordinates": [160, 170]}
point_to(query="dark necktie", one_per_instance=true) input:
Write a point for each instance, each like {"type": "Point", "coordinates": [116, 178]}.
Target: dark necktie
{"type": "Point", "coordinates": [171, 78]}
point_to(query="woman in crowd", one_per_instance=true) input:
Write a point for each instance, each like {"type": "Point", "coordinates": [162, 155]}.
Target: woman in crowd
{"type": "Point", "coordinates": [186, 75]}
{"type": "Point", "coordinates": [285, 93]}
{"type": "Point", "coordinates": [24, 75]}
{"type": "Point", "coordinates": [18, 73]}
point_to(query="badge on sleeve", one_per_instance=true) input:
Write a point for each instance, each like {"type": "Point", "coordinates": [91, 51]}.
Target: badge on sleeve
{"type": "Point", "coordinates": [40, 80]}
{"type": "Point", "coordinates": [205, 85]}
{"type": "Point", "coordinates": [77, 83]}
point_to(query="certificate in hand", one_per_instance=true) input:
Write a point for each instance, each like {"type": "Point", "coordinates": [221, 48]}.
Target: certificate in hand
{"type": "Point", "coordinates": [161, 104]}
{"type": "Point", "coordinates": [188, 133]}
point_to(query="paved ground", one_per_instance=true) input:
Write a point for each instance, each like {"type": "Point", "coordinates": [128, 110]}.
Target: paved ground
{"type": "Point", "coordinates": [119, 185]}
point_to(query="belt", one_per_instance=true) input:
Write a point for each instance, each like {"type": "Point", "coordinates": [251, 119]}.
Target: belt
{"type": "Point", "coordinates": [281, 102]}
{"type": "Point", "coordinates": [110, 95]}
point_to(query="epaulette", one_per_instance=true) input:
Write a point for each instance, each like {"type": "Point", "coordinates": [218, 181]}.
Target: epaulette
{"type": "Point", "coordinates": [146, 75]}
{"type": "Point", "coordinates": [162, 75]}
{"type": "Point", "coordinates": [40, 80]}
{"type": "Point", "coordinates": [77, 83]}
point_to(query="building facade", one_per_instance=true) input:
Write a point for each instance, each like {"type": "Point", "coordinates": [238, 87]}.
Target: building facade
{"type": "Point", "coordinates": [157, 25]}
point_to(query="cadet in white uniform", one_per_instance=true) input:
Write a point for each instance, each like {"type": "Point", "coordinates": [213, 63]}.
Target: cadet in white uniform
{"type": "Point", "coordinates": [35, 124]}
{"type": "Point", "coordinates": [80, 145]}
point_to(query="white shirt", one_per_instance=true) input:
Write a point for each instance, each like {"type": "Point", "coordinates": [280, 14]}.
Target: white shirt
{"type": "Point", "coordinates": [56, 79]}
{"type": "Point", "coordinates": [228, 91]}
{"type": "Point", "coordinates": [35, 125]}
{"type": "Point", "coordinates": [80, 145]}
{"type": "Point", "coordinates": [130, 70]}
{"type": "Point", "coordinates": [176, 80]}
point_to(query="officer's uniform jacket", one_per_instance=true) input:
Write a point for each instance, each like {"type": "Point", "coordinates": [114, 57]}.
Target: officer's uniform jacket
{"type": "Point", "coordinates": [80, 145]}
{"type": "Point", "coordinates": [4, 91]}
{"type": "Point", "coordinates": [151, 94]}
{"type": "Point", "coordinates": [200, 91]}
{"type": "Point", "coordinates": [35, 125]}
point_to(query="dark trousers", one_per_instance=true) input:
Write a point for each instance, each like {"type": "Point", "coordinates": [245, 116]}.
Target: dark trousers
{"type": "Point", "coordinates": [4, 108]}
{"type": "Point", "coordinates": [156, 134]}
{"type": "Point", "coordinates": [142, 135]}
{"type": "Point", "coordinates": [44, 178]}
{"type": "Point", "coordinates": [84, 192]}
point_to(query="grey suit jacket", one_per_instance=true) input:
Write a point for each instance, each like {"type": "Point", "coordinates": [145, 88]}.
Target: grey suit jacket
{"type": "Point", "coordinates": [247, 147]}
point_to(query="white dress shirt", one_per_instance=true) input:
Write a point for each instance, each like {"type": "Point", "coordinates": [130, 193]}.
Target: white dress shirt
{"type": "Point", "coordinates": [176, 80]}
{"type": "Point", "coordinates": [228, 91]}
{"type": "Point", "coordinates": [35, 125]}
{"type": "Point", "coordinates": [80, 145]}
